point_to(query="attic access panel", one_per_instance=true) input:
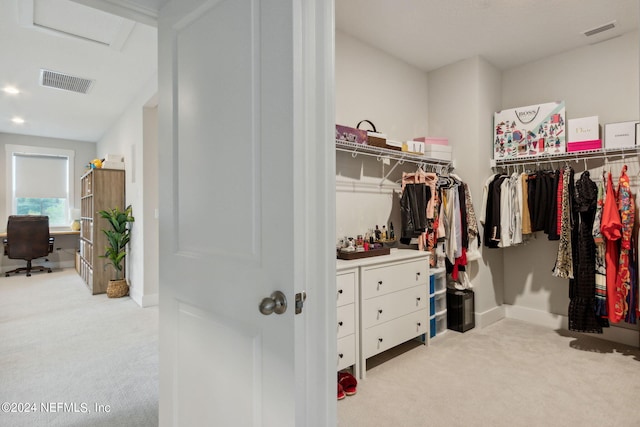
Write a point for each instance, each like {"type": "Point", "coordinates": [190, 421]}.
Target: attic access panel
{"type": "Point", "coordinates": [70, 19]}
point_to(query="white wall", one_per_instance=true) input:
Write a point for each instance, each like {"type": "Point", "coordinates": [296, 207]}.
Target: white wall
{"type": "Point", "coordinates": [373, 85]}
{"type": "Point", "coordinates": [462, 99]}
{"type": "Point", "coordinates": [84, 153]}
{"type": "Point", "coordinates": [597, 80]}
{"type": "Point", "coordinates": [150, 179]}
{"type": "Point", "coordinates": [127, 137]}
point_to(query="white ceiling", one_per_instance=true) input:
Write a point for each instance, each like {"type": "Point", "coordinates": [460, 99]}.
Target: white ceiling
{"type": "Point", "coordinates": [121, 60]}
{"type": "Point", "coordinates": [433, 33]}
{"type": "Point", "coordinates": [426, 33]}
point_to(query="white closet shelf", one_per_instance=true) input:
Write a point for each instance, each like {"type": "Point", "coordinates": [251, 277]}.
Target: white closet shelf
{"type": "Point", "coordinates": [385, 153]}
{"type": "Point", "coordinates": [400, 157]}
{"type": "Point", "coordinates": [605, 153]}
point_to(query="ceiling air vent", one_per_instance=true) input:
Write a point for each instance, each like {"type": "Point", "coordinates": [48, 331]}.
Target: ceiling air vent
{"type": "Point", "coordinates": [65, 81]}
{"type": "Point", "coordinates": [600, 29]}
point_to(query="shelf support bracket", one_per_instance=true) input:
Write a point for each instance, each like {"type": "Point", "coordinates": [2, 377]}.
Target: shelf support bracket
{"type": "Point", "coordinates": [399, 162]}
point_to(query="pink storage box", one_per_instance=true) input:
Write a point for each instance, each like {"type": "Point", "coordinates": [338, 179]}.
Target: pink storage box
{"type": "Point", "coordinates": [349, 134]}
{"type": "Point", "coordinates": [430, 140]}
{"type": "Point", "coordinates": [595, 144]}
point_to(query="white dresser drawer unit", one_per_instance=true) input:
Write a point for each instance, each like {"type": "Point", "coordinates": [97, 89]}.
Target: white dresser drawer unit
{"type": "Point", "coordinates": [383, 279]}
{"type": "Point", "coordinates": [346, 352]}
{"type": "Point", "coordinates": [347, 329]}
{"type": "Point", "coordinates": [345, 288]}
{"type": "Point", "coordinates": [390, 334]}
{"type": "Point", "coordinates": [391, 306]}
{"type": "Point", "coordinates": [389, 295]}
{"type": "Point", "coordinates": [346, 320]}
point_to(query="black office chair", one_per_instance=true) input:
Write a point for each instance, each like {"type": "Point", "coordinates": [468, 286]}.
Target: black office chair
{"type": "Point", "coordinates": [28, 238]}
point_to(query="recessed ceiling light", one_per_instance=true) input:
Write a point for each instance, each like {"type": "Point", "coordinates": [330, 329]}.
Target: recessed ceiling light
{"type": "Point", "coordinates": [18, 120]}
{"type": "Point", "coordinates": [11, 90]}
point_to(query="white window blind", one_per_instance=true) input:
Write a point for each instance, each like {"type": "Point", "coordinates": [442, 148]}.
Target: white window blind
{"type": "Point", "coordinates": [40, 176]}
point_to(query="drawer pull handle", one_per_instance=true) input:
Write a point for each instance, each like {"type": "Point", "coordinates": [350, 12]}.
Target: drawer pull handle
{"type": "Point", "coordinates": [379, 311]}
{"type": "Point", "coordinates": [340, 355]}
{"type": "Point", "coordinates": [340, 323]}
{"type": "Point", "coordinates": [418, 298]}
{"type": "Point", "coordinates": [379, 339]}
{"type": "Point", "coordinates": [379, 282]}
{"type": "Point", "coordinates": [418, 273]}
{"type": "Point", "coordinates": [339, 291]}
{"type": "Point", "coordinates": [419, 324]}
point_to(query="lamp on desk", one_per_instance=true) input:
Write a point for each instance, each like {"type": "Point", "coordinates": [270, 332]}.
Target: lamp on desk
{"type": "Point", "coordinates": [75, 219]}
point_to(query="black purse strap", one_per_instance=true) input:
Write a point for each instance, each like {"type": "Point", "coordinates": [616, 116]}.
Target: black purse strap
{"type": "Point", "coordinates": [368, 121]}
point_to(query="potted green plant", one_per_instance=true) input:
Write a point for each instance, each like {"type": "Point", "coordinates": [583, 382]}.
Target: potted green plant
{"type": "Point", "coordinates": [116, 250]}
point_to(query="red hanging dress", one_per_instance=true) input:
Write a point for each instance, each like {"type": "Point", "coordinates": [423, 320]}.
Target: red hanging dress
{"type": "Point", "coordinates": [611, 228]}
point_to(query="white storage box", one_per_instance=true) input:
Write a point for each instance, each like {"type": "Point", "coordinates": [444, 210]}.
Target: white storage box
{"type": "Point", "coordinates": [415, 147]}
{"type": "Point", "coordinates": [432, 140]}
{"type": "Point", "coordinates": [583, 129]}
{"type": "Point", "coordinates": [113, 165]}
{"type": "Point", "coordinates": [529, 131]}
{"type": "Point", "coordinates": [440, 152]}
{"type": "Point", "coordinates": [113, 158]}
{"type": "Point", "coordinates": [393, 145]}
{"type": "Point", "coordinates": [620, 135]}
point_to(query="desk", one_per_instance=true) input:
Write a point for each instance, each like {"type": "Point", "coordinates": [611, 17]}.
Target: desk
{"type": "Point", "coordinates": [52, 233]}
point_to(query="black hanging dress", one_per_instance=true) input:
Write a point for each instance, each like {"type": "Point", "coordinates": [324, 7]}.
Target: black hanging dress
{"type": "Point", "coordinates": [582, 289]}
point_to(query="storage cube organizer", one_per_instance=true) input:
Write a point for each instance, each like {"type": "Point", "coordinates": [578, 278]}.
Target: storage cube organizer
{"type": "Point", "coordinates": [441, 323]}
{"type": "Point", "coordinates": [432, 327]}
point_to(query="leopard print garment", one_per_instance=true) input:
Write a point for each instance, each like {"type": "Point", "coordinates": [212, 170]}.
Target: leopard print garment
{"type": "Point", "coordinates": [564, 261]}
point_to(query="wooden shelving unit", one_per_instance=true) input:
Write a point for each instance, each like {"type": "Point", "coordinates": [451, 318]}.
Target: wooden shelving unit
{"type": "Point", "coordinates": [101, 189]}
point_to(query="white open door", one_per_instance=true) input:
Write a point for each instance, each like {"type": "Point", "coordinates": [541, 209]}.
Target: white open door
{"type": "Point", "coordinates": [246, 209]}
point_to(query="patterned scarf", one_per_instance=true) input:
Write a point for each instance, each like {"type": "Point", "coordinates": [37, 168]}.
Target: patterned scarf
{"type": "Point", "coordinates": [601, 269]}
{"type": "Point", "coordinates": [564, 261]}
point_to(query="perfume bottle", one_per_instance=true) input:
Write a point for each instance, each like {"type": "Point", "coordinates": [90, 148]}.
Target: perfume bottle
{"type": "Point", "coordinates": [392, 234]}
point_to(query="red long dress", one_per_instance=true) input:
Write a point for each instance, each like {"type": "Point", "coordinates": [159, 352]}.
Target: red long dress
{"type": "Point", "coordinates": [611, 228]}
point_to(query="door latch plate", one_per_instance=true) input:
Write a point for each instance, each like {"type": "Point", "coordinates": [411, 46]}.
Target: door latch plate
{"type": "Point", "coordinates": [300, 298]}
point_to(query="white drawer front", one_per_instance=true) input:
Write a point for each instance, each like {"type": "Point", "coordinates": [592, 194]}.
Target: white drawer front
{"type": "Point", "coordinates": [345, 288]}
{"type": "Point", "coordinates": [375, 311]}
{"type": "Point", "coordinates": [346, 320]}
{"type": "Point", "coordinates": [346, 352]}
{"type": "Point", "coordinates": [390, 334]}
{"type": "Point", "coordinates": [386, 279]}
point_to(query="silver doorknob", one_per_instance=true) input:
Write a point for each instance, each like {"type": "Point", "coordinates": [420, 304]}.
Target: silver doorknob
{"type": "Point", "coordinates": [276, 303]}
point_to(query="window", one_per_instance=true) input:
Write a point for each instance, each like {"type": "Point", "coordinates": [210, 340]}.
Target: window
{"type": "Point", "coordinates": [40, 182]}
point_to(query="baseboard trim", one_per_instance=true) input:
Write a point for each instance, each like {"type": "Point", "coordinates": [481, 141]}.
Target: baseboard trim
{"type": "Point", "coordinates": [617, 334]}
{"type": "Point", "coordinates": [150, 300]}
{"type": "Point", "coordinates": [489, 317]}
{"type": "Point", "coordinates": [144, 300]}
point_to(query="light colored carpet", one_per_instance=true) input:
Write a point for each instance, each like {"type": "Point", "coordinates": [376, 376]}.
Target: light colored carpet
{"type": "Point", "coordinates": [60, 345]}
{"type": "Point", "coordinates": [511, 373]}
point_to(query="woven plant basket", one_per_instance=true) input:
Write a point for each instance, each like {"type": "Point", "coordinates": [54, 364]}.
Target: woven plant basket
{"type": "Point", "coordinates": [117, 288]}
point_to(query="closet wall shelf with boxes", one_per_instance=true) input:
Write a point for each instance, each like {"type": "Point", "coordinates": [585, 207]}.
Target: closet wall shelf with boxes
{"type": "Point", "coordinates": [400, 157]}
{"type": "Point", "coordinates": [605, 153]}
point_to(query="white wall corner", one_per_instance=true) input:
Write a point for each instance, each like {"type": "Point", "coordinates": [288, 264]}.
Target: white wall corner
{"type": "Point", "coordinates": [150, 300]}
